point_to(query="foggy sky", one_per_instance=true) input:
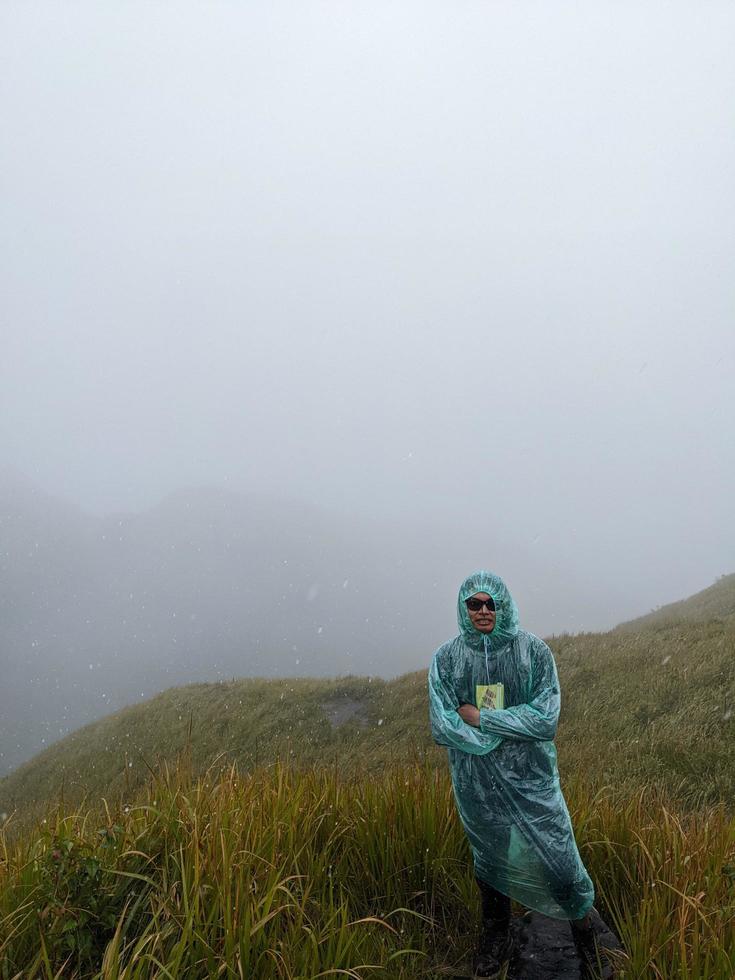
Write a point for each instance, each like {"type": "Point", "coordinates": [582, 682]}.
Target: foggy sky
{"type": "Point", "coordinates": [458, 262]}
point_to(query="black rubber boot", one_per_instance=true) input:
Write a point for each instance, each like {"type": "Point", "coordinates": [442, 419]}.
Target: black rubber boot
{"type": "Point", "coordinates": [496, 943]}
{"type": "Point", "coordinates": [593, 963]}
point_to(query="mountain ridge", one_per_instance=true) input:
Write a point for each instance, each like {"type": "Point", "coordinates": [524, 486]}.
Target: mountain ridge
{"type": "Point", "coordinates": [716, 601]}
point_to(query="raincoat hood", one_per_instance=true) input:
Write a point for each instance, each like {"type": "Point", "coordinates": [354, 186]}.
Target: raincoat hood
{"type": "Point", "coordinates": [506, 612]}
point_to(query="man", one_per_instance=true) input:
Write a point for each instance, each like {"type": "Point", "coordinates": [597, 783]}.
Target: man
{"type": "Point", "coordinates": [504, 773]}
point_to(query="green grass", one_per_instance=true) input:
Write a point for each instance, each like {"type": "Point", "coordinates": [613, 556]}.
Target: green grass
{"type": "Point", "coordinates": [281, 873]}
{"type": "Point", "coordinates": [654, 707]}
{"type": "Point", "coordinates": [248, 721]}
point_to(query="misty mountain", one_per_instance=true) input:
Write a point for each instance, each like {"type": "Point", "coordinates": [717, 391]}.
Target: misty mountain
{"type": "Point", "coordinates": [97, 613]}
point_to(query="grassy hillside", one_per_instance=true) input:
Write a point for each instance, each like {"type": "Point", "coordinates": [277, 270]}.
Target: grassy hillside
{"type": "Point", "coordinates": [638, 708]}
{"type": "Point", "coordinates": [251, 721]}
{"type": "Point", "coordinates": [715, 602]}
{"type": "Point", "coordinates": [280, 874]}
{"type": "Point", "coordinates": [303, 827]}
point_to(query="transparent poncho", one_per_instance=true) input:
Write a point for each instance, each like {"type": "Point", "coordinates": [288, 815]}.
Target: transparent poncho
{"type": "Point", "coordinates": [504, 773]}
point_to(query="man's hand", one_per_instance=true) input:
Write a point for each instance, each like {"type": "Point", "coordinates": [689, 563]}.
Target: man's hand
{"type": "Point", "coordinates": [470, 714]}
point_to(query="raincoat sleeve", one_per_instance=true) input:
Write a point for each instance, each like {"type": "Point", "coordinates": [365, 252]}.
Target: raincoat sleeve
{"type": "Point", "coordinates": [537, 720]}
{"type": "Point", "coordinates": [447, 726]}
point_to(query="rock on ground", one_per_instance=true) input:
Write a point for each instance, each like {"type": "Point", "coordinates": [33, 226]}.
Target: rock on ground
{"type": "Point", "coordinates": [341, 709]}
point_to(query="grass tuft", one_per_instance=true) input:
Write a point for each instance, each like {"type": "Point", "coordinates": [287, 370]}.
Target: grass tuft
{"type": "Point", "coordinates": [283, 873]}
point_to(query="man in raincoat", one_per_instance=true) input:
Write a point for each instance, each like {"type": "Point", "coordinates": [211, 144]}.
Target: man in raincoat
{"type": "Point", "coordinates": [503, 768]}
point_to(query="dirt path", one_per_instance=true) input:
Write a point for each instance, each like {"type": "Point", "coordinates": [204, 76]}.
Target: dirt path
{"type": "Point", "coordinates": [543, 949]}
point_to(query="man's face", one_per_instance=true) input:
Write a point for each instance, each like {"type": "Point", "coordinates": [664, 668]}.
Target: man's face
{"type": "Point", "coordinates": [482, 619]}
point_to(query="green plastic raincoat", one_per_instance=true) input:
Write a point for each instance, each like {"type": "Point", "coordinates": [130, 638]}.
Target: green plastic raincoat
{"type": "Point", "coordinates": [504, 773]}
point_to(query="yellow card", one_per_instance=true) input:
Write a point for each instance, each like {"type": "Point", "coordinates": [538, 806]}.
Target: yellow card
{"type": "Point", "coordinates": [489, 695]}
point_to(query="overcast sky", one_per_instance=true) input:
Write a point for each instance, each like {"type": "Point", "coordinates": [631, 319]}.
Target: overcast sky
{"type": "Point", "coordinates": [400, 258]}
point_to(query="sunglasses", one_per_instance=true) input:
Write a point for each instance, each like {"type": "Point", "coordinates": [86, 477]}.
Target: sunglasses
{"type": "Point", "coordinates": [476, 604]}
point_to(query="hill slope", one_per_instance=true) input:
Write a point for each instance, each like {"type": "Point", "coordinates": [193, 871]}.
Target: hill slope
{"type": "Point", "coordinates": [654, 706]}
{"type": "Point", "coordinates": [715, 602]}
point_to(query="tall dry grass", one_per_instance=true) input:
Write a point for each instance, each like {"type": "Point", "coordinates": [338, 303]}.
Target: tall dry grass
{"type": "Point", "coordinates": [288, 873]}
